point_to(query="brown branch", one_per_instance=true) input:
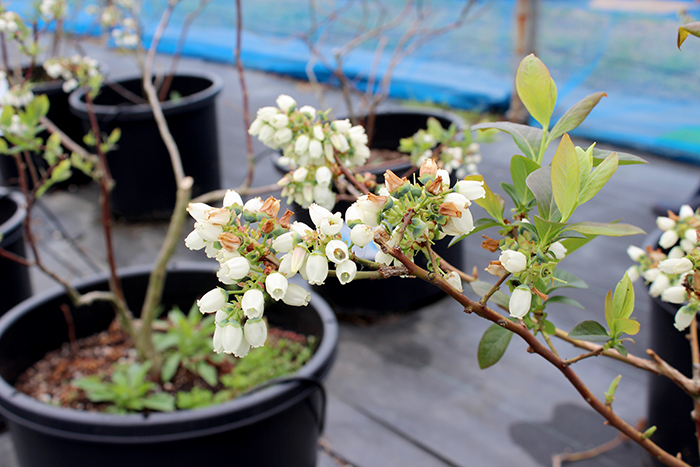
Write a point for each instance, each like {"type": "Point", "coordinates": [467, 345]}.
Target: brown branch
{"type": "Point", "coordinates": [592, 353]}
{"type": "Point", "coordinates": [71, 328]}
{"type": "Point", "coordinates": [349, 175]}
{"type": "Point", "coordinates": [494, 289]}
{"type": "Point", "coordinates": [244, 95]}
{"type": "Point", "coordinates": [535, 347]}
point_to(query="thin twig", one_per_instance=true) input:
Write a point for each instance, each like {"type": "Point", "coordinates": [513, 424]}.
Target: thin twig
{"type": "Point", "coordinates": [350, 176]}
{"type": "Point", "coordinates": [71, 328]}
{"type": "Point", "coordinates": [244, 95]}
{"type": "Point", "coordinates": [493, 290]}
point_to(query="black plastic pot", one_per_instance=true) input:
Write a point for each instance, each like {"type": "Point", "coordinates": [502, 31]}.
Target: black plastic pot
{"type": "Point", "coordinates": [60, 114]}
{"type": "Point", "coordinates": [393, 295]}
{"type": "Point", "coordinates": [14, 277]}
{"type": "Point", "coordinates": [145, 183]}
{"type": "Point", "coordinates": [278, 425]}
{"type": "Point", "coordinates": [668, 407]}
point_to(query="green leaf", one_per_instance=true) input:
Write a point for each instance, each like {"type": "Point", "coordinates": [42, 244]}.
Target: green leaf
{"type": "Point", "coordinates": [565, 279]}
{"type": "Point", "coordinates": [208, 373]}
{"type": "Point", "coordinates": [540, 184]}
{"type": "Point", "coordinates": [626, 325]}
{"type": "Point", "coordinates": [609, 309]}
{"type": "Point", "coordinates": [610, 229]}
{"type": "Point", "coordinates": [481, 288]}
{"type": "Point", "coordinates": [564, 300]}
{"type": "Point", "coordinates": [590, 331]}
{"type": "Point", "coordinates": [510, 191]}
{"type": "Point", "coordinates": [546, 230]}
{"type": "Point", "coordinates": [585, 165]}
{"type": "Point", "coordinates": [621, 349]}
{"type": "Point", "coordinates": [599, 155]}
{"type": "Point", "coordinates": [527, 138]}
{"type": "Point", "coordinates": [170, 366]}
{"type": "Point", "coordinates": [573, 117]}
{"type": "Point", "coordinates": [565, 177]}
{"type": "Point", "coordinates": [686, 30]}
{"type": "Point", "coordinates": [536, 89]}
{"type": "Point", "coordinates": [623, 301]}
{"type": "Point", "coordinates": [161, 401]}
{"type": "Point", "coordinates": [573, 244]}
{"type": "Point", "coordinates": [520, 168]}
{"type": "Point", "coordinates": [598, 178]}
{"type": "Point", "coordinates": [492, 203]}
{"type": "Point", "coordinates": [493, 345]}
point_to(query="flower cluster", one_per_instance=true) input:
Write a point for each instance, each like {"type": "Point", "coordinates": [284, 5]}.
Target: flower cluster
{"type": "Point", "coordinates": [10, 22]}
{"type": "Point", "coordinates": [452, 149]}
{"type": "Point", "coordinates": [18, 95]}
{"type": "Point", "coordinates": [76, 71]}
{"type": "Point", "coordinates": [412, 216]}
{"type": "Point", "coordinates": [118, 17]}
{"type": "Point", "coordinates": [669, 270]}
{"type": "Point", "coordinates": [309, 144]}
{"type": "Point", "coordinates": [51, 9]}
{"type": "Point", "coordinates": [258, 253]}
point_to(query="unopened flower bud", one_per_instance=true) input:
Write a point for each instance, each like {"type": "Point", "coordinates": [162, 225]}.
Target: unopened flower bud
{"type": "Point", "coordinates": [558, 250]}
{"type": "Point", "coordinates": [635, 253]}
{"type": "Point", "coordinates": [285, 103]}
{"type": "Point", "coordinates": [685, 212]}
{"type": "Point", "coordinates": [665, 223]}
{"type": "Point", "coordinates": [676, 294]}
{"type": "Point", "coordinates": [659, 284]}
{"type": "Point", "coordinates": [520, 300]}
{"type": "Point", "coordinates": [231, 337]}
{"type": "Point", "coordinates": [676, 265]}
{"type": "Point", "coordinates": [684, 316]}
{"type": "Point", "coordinates": [668, 239]}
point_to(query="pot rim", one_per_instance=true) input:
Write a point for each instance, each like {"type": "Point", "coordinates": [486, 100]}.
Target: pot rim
{"type": "Point", "coordinates": [131, 111]}
{"type": "Point", "coordinates": [85, 425]}
{"type": "Point", "coordinates": [13, 224]}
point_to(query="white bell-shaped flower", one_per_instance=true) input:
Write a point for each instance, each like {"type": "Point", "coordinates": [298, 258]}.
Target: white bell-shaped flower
{"type": "Point", "coordinates": [253, 205]}
{"type": "Point", "coordinates": [286, 103]}
{"type": "Point", "coordinates": [684, 316]}
{"type": "Point", "coordinates": [242, 349]}
{"type": "Point", "coordinates": [445, 175]}
{"type": "Point", "coordinates": [285, 242]}
{"type": "Point", "coordinates": [513, 261]}
{"type": "Point", "coordinates": [255, 331]}
{"type": "Point", "coordinates": [279, 121]}
{"type": "Point", "coordinates": [665, 223]}
{"type": "Point", "coordinates": [470, 189]}
{"type": "Point", "coordinates": [276, 285]}
{"type": "Point", "coordinates": [558, 250]}
{"type": "Point", "coordinates": [296, 295]}
{"type": "Point", "coordinates": [520, 300]}
{"type": "Point", "coordinates": [235, 268]}
{"type": "Point", "coordinates": [361, 235]}
{"type": "Point", "coordinates": [337, 251]}
{"type": "Point", "coordinates": [668, 239]}
{"type": "Point", "coordinates": [198, 210]}
{"type": "Point", "coordinates": [675, 294]}
{"type": "Point", "coordinates": [346, 271]}
{"type": "Point", "coordinates": [299, 255]}
{"type": "Point", "coordinates": [659, 284]}
{"type": "Point", "coordinates": [315, 149]}
{"type": "Point", "coordinates": [635, 253]}
{"type": "Point", "coordinates": [231, 336]}
{"type": "Point", "coordinates": [301, 145]}
{"type": "Point", "coordinates": [194, 241]}
{"type": "Point", "coordinates": [651, 274]}
{"type": "Point", "coordinates": [454, 280]}
{"type": "Point", "coordinates": [217, 339]}
{"type": "Point", "coordinates": [317, 268]}
{"type": "Point", "coordinates": [676, 253]}
{"type": "Point", "coordinates": [685, 212]}
{"type": "Point", "coordinates": [323, 176]}
{"type": "Point", "coordinates": [457, 226]}
{"type": "Point", "coordinates": [676, 265]}
{"type": "Point", "coordinates": [340, 143]}
{"type": "Point", "coordinates": [213, 301]}
{"type": "Point", "coordinates": [341, 126]}
{"type": "Point", "coordinates": [253, 303]}
{"type": "Point", "coordinates": [308, 110]}
{"type": "Point", "coordinates": [300, 174]}
{"type": "Point", "coordinates": [318, 213]}
{"type": "Point", "coordinates": [332, 224]}
{"type": "Point", "coordinates": [383, 258]}
{"type": "Point", "coordinates": [231, 198]}
{"type": "Point", "coordinates": [633, 273]}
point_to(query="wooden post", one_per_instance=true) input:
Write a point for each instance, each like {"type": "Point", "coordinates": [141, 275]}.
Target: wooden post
{"type": "Point", "coordinates": [526, 19]}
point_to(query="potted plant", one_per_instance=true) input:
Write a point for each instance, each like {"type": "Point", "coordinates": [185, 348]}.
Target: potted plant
{"type": "Point", "coordinates": [93, 305]}
{"type": "Point", "coordinates": [288, 415]}
{"type": "Point", "coordinates": [188, 102]}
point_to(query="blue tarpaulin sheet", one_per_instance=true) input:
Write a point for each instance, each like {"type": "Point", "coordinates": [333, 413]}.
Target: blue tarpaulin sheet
{"type": "Point", "coordinates": [625, 48]}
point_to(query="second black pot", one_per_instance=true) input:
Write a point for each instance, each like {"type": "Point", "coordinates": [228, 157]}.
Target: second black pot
{"type": "Point", "coordinates": [140, 164]}
{"type": "Point", "coordinates": [14, 277]}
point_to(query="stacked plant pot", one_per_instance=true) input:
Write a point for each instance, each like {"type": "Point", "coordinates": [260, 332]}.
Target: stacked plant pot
{"type": "Point", "coordinates": [14, 277]}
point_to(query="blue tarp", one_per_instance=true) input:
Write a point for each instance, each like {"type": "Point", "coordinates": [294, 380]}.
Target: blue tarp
{"type": "Point", "coordinates": [622, 47]}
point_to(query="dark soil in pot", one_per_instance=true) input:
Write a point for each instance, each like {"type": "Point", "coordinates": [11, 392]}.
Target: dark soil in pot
{"type": "Point", "coordinates": [145, 183]}
{"type": "Point", "coordinates": [16, 285]}
{"type": "Point", "coordinates": [278, 425]}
